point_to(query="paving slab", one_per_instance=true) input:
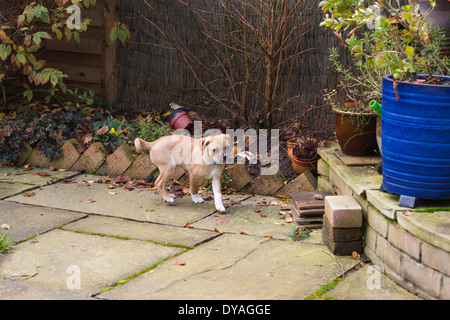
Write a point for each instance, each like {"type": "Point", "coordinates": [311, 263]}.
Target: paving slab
{"type": "Point", "coordinates": [138, 204]}
{"type": "Point", "coordinates": [249, 218]}
{"type": "Point", "coordinates": [118, 227]}
{"type": "Point", "coordinates": [256, 268]}
{"type": "Point", "coordinates": [11, 189]}
{"type": "Point", "coordinates": [368, 283]}
{"type": "Point", "coordinates": [53, 259]}
{"type": "Point", "coordinates": [26, 221]}
{"type": "Point", "coordinates": [33, 177]}
{"type": "Point", "coordinates": [19, 290]}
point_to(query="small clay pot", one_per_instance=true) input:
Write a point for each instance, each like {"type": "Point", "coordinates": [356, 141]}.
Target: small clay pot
{"type": "Point", "coordinates": [290, 146]}
{"type": "Point", "coordinates": [302, 165]}
{"type": "Point", "coordinates": [179, 119]}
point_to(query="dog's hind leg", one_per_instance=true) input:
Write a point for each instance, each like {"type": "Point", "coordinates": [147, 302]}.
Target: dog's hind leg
{"type": "Point", "coordinates": [164, 175]}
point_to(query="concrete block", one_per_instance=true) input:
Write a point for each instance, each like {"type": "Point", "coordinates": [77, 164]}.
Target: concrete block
{"type": "Point", "coordinates": [306, 182]}
{"type": "Point", "coordinates": [323, 168]}
{"type": "Point", "coordinates": [343, 211]}
{"type": "Point", "coordinates": [436, 258]}
{"type": "Point", "coordinates": [69, 155]}
{"type": "Point", "coordinates": [342, 234]}
{"type": "Point", "coordinates": [425, 278]}
{"type": "Point", "coordinates": [377, 221]}
{"type": "Point", "coordinates": [324, 184]}
{"type": "Point", "coordinates": [344, 248]}
{"type": "Point", "coordinates": [240, 176]}
{"type": "Point", "coordinates": [118, 162]}
{"type": "Point", "coordinates": [92, 159]}
{"type": "Point", "coordinates": [388, 254]}
{"type": "Point", "coordinates": [141, 168]}
{"type": "Point", "coordinates": [266, 185]}
{"type": "Point", "coordinates": [38, 159]}
{"type": "Point", "coordinates": [25, 153]}
{"type": "Point", "coordinates": [404, 241]}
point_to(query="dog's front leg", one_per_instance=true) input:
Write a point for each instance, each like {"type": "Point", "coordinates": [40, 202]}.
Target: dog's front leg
{"type": "Point", "coordinates": [217, 189]}
{"type": "Point", "coordinates": [193, 183]}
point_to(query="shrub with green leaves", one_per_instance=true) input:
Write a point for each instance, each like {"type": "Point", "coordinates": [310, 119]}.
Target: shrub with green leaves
{"type": "Point", "coordinates": [47, 131]}
{"type": "Point", "coordinates": [153, 128]}
{"type": "Point", "coordinates": [25, 26]}
{"type": "Point", "coordinates": [112, 132]}
{"type": "Point", "coordinates": [403, 39]}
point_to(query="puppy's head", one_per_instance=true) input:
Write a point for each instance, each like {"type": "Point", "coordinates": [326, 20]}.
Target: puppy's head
{"type": "Point", "coordinates": [214, 148]}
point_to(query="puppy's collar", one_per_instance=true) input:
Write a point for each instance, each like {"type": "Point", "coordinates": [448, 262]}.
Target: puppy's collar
{"type": "Point", "coordinates": [209, 162]}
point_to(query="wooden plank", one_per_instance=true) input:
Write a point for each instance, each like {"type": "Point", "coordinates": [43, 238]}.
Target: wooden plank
{"type": "Point", "coordinates": [79, 72]}
{"type": "Point", "coordinates": [89, 46]}
{"type": "Point", "coordinates": [89, 60]}
{"type": "Point", "coordinates": [111, 78]}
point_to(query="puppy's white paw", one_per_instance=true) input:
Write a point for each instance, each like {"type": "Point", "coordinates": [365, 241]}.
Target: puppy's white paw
{"type": "Point", "coordinates": [173, 196]}
{"type": "Point", "coordinates": [220, 208]}
{"type": "Point", "coordinates": [169, 200]}
{"type": "Point", "coordinates": [197, 199]}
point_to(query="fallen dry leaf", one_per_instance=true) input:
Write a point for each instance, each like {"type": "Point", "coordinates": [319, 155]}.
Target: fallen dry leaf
{"type": "Point", "coordinates": [288, 220]}
{"type": "Point", "coordinates": [263, 215]}
{"type": "Point", "coordinates": [111, 192]}
{"type": "Point", "coordinates": [43, 174]}
{"type": "Point", "coordinates": [5, 226]}
{"type": "Point", "coordinates": [188, 225]}
{"type": "Point", "coordinates": [218, 231]}
{"type": "Point", "coordinates": [30, 194]}
{"type": "Point", "coordinates": [257, 210]}
{"type": "Point", "coordinates": [53, 168]}
{"type": "Point", "coordinates": [178, 262]}
{"type": "Point", "coordinates": [67, 181]}
{"type": "Point", "coordinates": [87, 201]}
{"type": "Point", "coordinates": [102, 130]}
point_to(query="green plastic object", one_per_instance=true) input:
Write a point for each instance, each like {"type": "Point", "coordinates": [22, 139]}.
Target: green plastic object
{"type": "Point", "coordinates": [376, 107]}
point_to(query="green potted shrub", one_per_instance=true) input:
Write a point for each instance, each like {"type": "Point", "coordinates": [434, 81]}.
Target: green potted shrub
{"type": "Point", "coordinates": [355, 121]}
{"type": "Point", "coordinates": [415, 94]}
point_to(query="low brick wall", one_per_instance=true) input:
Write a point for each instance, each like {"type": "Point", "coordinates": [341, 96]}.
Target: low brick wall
{"type": "Point", "coordinates": [413, 248]}
{"type": "Point", "coordinates": [124, 161]}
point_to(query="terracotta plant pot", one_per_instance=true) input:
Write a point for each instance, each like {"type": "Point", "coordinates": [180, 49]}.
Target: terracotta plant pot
{"type": "Point", "coordinates": [356, 132]}
{"type": "Point", "coordinates": [290, 146]}
{"type": "Point", "coordinates": [179, 119]}
{"type": "Point", "coordinates": [302, 165]}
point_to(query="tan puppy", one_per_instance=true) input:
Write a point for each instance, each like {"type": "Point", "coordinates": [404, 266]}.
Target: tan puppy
{"type": "Point", "coordinates": [202, 158]}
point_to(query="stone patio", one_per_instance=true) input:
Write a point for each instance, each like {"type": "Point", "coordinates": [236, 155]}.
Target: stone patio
{"type": "Point", "coordinates": [130, 245]}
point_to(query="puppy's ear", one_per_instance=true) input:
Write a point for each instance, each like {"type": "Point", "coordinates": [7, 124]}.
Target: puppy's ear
{"type": "Point", "coordinates": [205, 143]}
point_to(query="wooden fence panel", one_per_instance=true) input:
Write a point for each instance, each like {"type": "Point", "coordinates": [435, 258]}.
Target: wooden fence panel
{"type": "Point", "coordinates": [91, 64]}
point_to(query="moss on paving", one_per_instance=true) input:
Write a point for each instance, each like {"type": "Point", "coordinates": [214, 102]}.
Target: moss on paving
{"type": "Point", "coordinates": [324, 289]}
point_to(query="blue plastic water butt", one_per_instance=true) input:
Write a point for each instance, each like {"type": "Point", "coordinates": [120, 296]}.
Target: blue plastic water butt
{"type": "Point", "coordinates": [416, 139]}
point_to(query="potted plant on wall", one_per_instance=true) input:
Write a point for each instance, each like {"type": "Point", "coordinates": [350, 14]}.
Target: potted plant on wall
{"type": "Point", "coordinates": [355, 121]}
{"type": "Point", "coordinates": [415, 95]}
{"type": "Point", "coordinates": [309, 131]}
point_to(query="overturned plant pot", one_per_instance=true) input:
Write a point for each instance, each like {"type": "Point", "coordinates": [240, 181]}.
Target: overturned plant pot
{"type": "Point", "coordinates": [179, 119]}
{"type": "Point", "coordinates": [356, 132]}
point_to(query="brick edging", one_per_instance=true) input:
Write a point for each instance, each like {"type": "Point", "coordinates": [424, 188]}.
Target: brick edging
{"type": "Point", "coordinates": [124, 161]}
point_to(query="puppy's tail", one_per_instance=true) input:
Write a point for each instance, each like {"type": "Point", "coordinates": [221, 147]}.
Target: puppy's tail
{"type": "Point", "coordinates": [141, 144]}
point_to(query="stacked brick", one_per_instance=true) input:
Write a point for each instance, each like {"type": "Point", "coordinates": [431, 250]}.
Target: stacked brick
{"type": "Point", "coordinates": [342, 225]}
